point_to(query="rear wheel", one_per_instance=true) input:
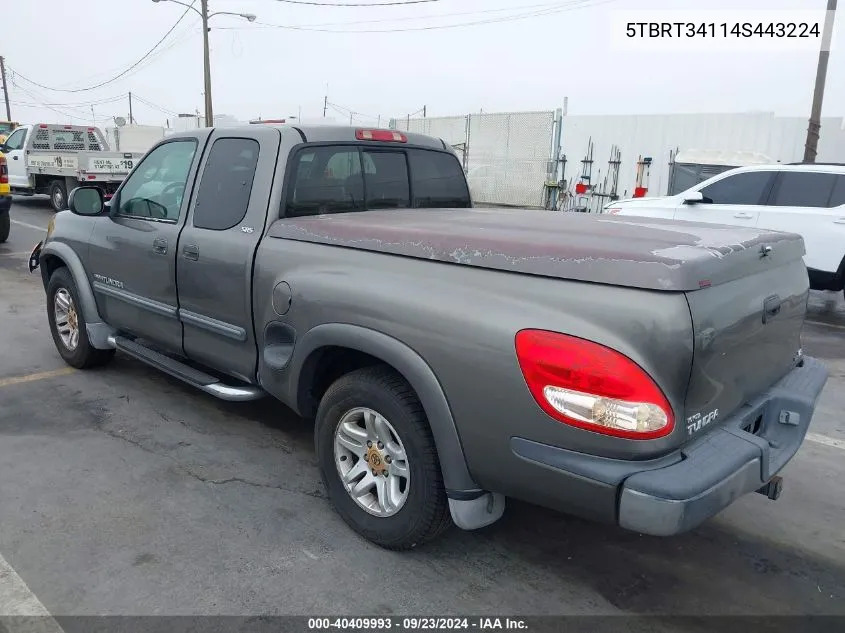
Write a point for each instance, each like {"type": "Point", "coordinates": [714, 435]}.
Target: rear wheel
{"type": "Point", "coordinates": [58, 195]}
{"type": "Point", "coordinates": [378, 459]}
{"type": "Point", "coordinates": [67, 324]}
{"type": "Point", "coordinates": [5, 226]}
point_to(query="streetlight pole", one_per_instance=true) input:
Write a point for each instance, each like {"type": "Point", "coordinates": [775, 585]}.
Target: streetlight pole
{"type": "Point", "coordinates": [206, 54]}
{"type": "Point", "coordinates": [206, 62]}
{"type": "Point", "coordinates": [815, 124]}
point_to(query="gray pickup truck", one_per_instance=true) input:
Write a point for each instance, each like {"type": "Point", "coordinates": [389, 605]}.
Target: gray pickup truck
{"type": "Point", "coordinates": [634, 371]}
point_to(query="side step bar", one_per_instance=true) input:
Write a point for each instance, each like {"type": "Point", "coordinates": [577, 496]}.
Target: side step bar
{"type": "Point", "coordinates": [183, 372]}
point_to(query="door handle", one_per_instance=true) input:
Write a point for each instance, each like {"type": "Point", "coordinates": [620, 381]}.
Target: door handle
{"type": "Point", "coordinates": [744, 216]}
{"type": "Point", "coordinates": [191, 251]}
{"type": "Point", "coordinates": [839, 221]}
{"type": "Point", "coordinates": [160, 246]}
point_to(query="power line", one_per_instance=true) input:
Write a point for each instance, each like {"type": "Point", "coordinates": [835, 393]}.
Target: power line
{"type": "Point", "coordinates": [546, 5]}
{"type": "Point", "coordinates": [569, 6]}
{"type": "Point", "coordinates": [118, 76]}
{"type": "Point", "coordinates": [394, 3]}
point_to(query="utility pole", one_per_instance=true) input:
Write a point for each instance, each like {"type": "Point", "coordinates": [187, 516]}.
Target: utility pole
{"type": "Point", "coordinates": [209, 112]}
{"type": "Point", "coordinates": [812, 143]}
{"type": "Point", "coordinates": [325, 105]}
{"type": "Point", "coordinates": [131, 118]}
{"type": "Point", "coordinates": [5, 89]}
{"type": "Point", "coordinates": [425, 109]}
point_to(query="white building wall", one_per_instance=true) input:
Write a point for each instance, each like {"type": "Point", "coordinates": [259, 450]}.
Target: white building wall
{"type": "Point", "coordinates": [655, 136]}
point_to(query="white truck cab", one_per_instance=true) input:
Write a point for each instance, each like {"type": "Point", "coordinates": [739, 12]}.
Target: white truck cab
{"type": "Point", "coordinates": [808, 199]}
{"type": "Point", "coordinates": [54, 159]}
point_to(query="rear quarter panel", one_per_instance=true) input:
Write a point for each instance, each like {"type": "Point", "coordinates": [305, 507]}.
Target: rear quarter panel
{"type": "Point", "coordinates": [462, 322]}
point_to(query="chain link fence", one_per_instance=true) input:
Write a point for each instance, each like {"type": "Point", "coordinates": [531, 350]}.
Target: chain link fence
{"type": "Point", "coordinates": [505, 155]}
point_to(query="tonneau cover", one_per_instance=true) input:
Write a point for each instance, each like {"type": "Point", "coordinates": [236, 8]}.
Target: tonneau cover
{"type": "Point", "coordinates": [636, 252]}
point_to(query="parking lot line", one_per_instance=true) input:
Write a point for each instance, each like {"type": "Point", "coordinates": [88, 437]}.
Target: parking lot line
{"type": "Point", "coordinates": [29, 226]}
{"type": "Point", "coordinates": [16, 380]}
{"type": "Point", "coordinates": [21, 608]}
{"type": "Point", "coordinates": [827, 441]}
{"type": "Point", "coordinates": [13, 254]}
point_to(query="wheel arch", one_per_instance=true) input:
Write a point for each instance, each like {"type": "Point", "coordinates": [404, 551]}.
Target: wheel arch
{"type": "Point", "coordinates": [55, 255]}
{"type": "Point", "coordinates": [369, 347]}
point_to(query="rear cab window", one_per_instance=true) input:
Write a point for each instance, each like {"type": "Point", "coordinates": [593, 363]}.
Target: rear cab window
{"type": "Point", "coordinates": [359, 177]}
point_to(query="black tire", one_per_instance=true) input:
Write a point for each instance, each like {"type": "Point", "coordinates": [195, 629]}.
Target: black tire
{"type": "Point", "coordinates": [5, 226]}
{"type": "Point", "coordinates": [425, 513]}
{"type": "Point", "coordinates": [83, 356]}
{"type": "Point", "coordinates": [58, 195]}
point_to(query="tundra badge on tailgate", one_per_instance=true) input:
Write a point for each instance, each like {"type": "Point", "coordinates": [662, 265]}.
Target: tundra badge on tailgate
{"type": "Point", "coordinates": [697, 422]}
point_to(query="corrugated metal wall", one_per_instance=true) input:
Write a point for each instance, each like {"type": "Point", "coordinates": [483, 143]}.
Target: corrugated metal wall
{"type": "Point", "coordinates": [780, 138]}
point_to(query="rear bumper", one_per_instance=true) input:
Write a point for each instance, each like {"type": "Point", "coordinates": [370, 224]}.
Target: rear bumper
{"type": "Point", "coordinates": [678, 492]}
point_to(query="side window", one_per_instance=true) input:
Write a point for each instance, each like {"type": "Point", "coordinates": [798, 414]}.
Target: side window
{"type": "Point", "coordinates": [155, 189]}
{"type": "Point", "coordinates": [804, 189]}
{"type": "Point", "coordinates": [387, 184]}
{"type": "Point", "coordinates": [744, 188]}
{"type": "Point", "coordinates": [837, 198]}
{"type": "Point", "coordinates": [439, 180]}
{"type": "Point", "coordinates": [317, 188]}
{"type": "Point", "coordinates": [226, 184]}
{"type": "Point", "coordinates": [16, 140]}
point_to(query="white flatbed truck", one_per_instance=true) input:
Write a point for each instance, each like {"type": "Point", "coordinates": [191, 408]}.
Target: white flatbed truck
{"type": "Point", "coordinates": [52, 160]}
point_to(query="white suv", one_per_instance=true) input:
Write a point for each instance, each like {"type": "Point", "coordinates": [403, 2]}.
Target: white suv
{"type": "Point", "coordinates": [808, 199]}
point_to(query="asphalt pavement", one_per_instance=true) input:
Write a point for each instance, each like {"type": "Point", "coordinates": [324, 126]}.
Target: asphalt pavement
{"type": "Point", "coordinates": [124, 491]}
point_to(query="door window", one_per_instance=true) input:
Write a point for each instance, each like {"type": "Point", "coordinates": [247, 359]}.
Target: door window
{"type": "Point", "coordinates": [226, 184]}
{"type": "Point", "coordinates": [155, 189]}
{"type": "Point", "coordinates": [745, 188]}
{"type": "Point", "coordinates": [16, 140]}
{"type": "Point", "coordinates": [804, 189]}
{"type": "Point", "coordinates": [837, 198]}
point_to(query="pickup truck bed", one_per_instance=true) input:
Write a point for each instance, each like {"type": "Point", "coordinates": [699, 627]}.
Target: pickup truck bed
{"type": "Point", "coordinates": [639, 372]}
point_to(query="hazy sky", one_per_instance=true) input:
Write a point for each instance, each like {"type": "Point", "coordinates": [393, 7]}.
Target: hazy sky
{"type": "Point", "coordinates": [564, 48]}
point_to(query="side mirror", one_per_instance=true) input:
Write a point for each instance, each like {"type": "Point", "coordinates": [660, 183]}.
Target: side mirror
{"type": "Point", "coordinates": [86, 201]}
{"type": "Point", "coordinates": [693, 197]}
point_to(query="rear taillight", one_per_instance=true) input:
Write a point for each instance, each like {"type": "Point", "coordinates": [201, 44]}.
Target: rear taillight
{"type": "Point", "coordinates": [388, 136]}
{"type": "Point", "coordinates": [4, 171]}
{"type": "Point", "coordinates": [592, 387]}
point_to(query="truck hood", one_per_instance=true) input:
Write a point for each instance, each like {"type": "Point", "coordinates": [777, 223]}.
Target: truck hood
{"type": "Point", "coordinates": [635, 252]}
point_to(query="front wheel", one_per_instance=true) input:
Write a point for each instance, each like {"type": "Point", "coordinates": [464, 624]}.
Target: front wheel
{"type": "Point", "coordinates": [378, 460]}
{"type": "Point", "coordinates": [67, 324]}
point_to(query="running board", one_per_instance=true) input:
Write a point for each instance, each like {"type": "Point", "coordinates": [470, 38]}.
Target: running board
{"type": "Point", "coordinates": [194, 377]}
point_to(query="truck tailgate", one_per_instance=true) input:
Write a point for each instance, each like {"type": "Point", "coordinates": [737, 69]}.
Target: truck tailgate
{"type": "Point", "coordinates": [747, 332]}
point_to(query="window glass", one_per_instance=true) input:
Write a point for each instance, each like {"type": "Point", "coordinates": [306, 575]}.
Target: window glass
{"type": "Point", "coordinates": [838, 197]}
{"type": "Point", "coordinates": [329, 180]}
{"type": "Point", "coordinates": [387, 183]}
{"type": "Point", "coordinates": [16, 140]}
{"type": "Point", "coordinates": [804, 189]}
{"type": "Point", "coordinates": [439, 180]}
{"type": "Point", "coordinates": [744, 188]}
{"type": "Point", "coordinates": [223, 195]}
{"type": "Point", "coordinates": [155, 189]}
{"type": "Point", "coordinates": [326, 180]}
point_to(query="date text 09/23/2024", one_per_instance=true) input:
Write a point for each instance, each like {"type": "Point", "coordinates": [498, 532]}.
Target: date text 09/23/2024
{"type": "Point", "coordinates": [385, 623]}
